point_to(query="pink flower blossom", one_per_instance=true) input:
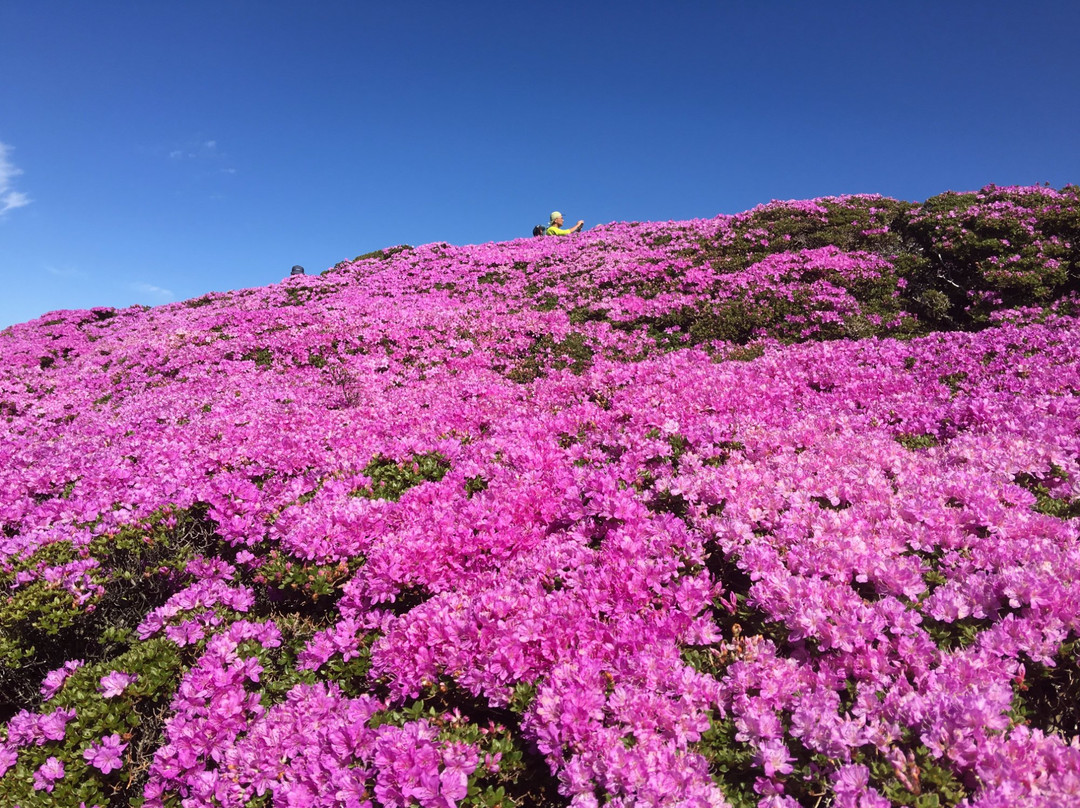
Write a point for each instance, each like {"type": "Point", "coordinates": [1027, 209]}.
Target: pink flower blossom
{"type": "Point", "coordinates": [8, 757]}
{"type": "Point", "coordinates": [106, 755]}
{"type": "Point", "coordinates": [114, 683]}
{"type": "Point", "coordinates": [55, 679]}
{"type": "Point", "coordinates": [48, 773]}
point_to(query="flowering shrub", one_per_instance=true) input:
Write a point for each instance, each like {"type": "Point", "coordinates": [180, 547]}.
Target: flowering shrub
{"type": "Point", "coordinates": [697, 513]}
{"type": "Point", "coordinates": [1000, 245]}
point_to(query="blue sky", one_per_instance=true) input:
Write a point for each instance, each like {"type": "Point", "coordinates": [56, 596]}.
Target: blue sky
{"type": "Point", "coordinates": [155, 151]}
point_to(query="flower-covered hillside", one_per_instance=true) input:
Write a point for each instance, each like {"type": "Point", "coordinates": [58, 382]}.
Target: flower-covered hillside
{"type": "Point", "coordinates": [766, 509]}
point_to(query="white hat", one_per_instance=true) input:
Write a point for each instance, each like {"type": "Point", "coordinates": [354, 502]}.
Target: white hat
{"type": "Point", "coordinates": [555, 215]}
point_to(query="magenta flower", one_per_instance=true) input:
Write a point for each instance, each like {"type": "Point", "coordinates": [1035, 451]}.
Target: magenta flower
{"type": "Point", "coordinates": [53, 726]}
{"type": "Point", "coordinates": [114, 683]}
{"type": "Point", "coordinates": [55, 679]}
{"type": "Point", "coordinates": [105, 756]}
{"type": "Point", "coordinates": [8, 756]}
{"type": "Point", "coordinates": [186, 633]}
{"type": "Point", "coordinates": [864, 498]}
{"type": "Point", "coordinates": [47, 775]}
{"type": "Point", "coordinates": [774, 757]}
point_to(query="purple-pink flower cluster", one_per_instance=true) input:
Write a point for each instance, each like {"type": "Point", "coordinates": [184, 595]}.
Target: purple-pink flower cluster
{"type": "Point", "coordinates": [603, 523]}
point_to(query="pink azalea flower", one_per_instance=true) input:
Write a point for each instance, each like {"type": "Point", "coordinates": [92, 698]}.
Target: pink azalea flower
{"type": "Point", "coordinates": [47, 775]}
{"type": "Point", "coordinates": [106, 755]}
{"type": "Point", "coordinates": [8, 756]}
{"type": "Point", "coordinates": [53, 726]}
{"type": "Point", "coordinates": [114, 683]}
{"type": "Point", "coordinates": [55, 679]}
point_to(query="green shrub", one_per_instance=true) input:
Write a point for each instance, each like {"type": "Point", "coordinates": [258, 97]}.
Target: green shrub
{"type": "Point", "coordinates": [139, 567]}
{"type": "Point", "coordinates": [391, 478]}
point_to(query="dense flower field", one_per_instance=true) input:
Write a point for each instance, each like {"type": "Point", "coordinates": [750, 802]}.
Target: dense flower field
{"type": "Point", "coordinates": [774, 509]}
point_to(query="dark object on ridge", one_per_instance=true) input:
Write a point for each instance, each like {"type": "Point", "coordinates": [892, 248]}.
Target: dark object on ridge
{"type": "Point", "coordinates": [297, 270]}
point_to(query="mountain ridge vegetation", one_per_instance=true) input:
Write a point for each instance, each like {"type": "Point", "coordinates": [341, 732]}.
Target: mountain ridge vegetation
{"type": "Point", "coordinates": [762, 509]}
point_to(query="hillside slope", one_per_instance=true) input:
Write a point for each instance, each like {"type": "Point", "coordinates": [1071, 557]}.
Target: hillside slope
{"type": "Point", "coordinates": [752, 510]}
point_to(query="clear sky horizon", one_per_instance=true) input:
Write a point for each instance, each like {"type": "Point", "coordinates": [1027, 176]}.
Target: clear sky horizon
{"type": "Point", "coordinates": [156, 151]}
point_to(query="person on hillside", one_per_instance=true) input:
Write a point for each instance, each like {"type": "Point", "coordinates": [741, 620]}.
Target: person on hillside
{"type": "Point", "coordinates": [555, 227]}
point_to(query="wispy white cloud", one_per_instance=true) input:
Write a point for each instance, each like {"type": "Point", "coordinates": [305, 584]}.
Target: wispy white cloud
{"type": "Point", "coordinates": [202, 153]}
{"type": "Point", "coordinates": [64, 272]}
{"type": "Point", "coordinates": [195, 150]}
{"type": "Point", "coordinates": [9, 197]}
{"type": "Point", "coordinates": [155, 292]}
